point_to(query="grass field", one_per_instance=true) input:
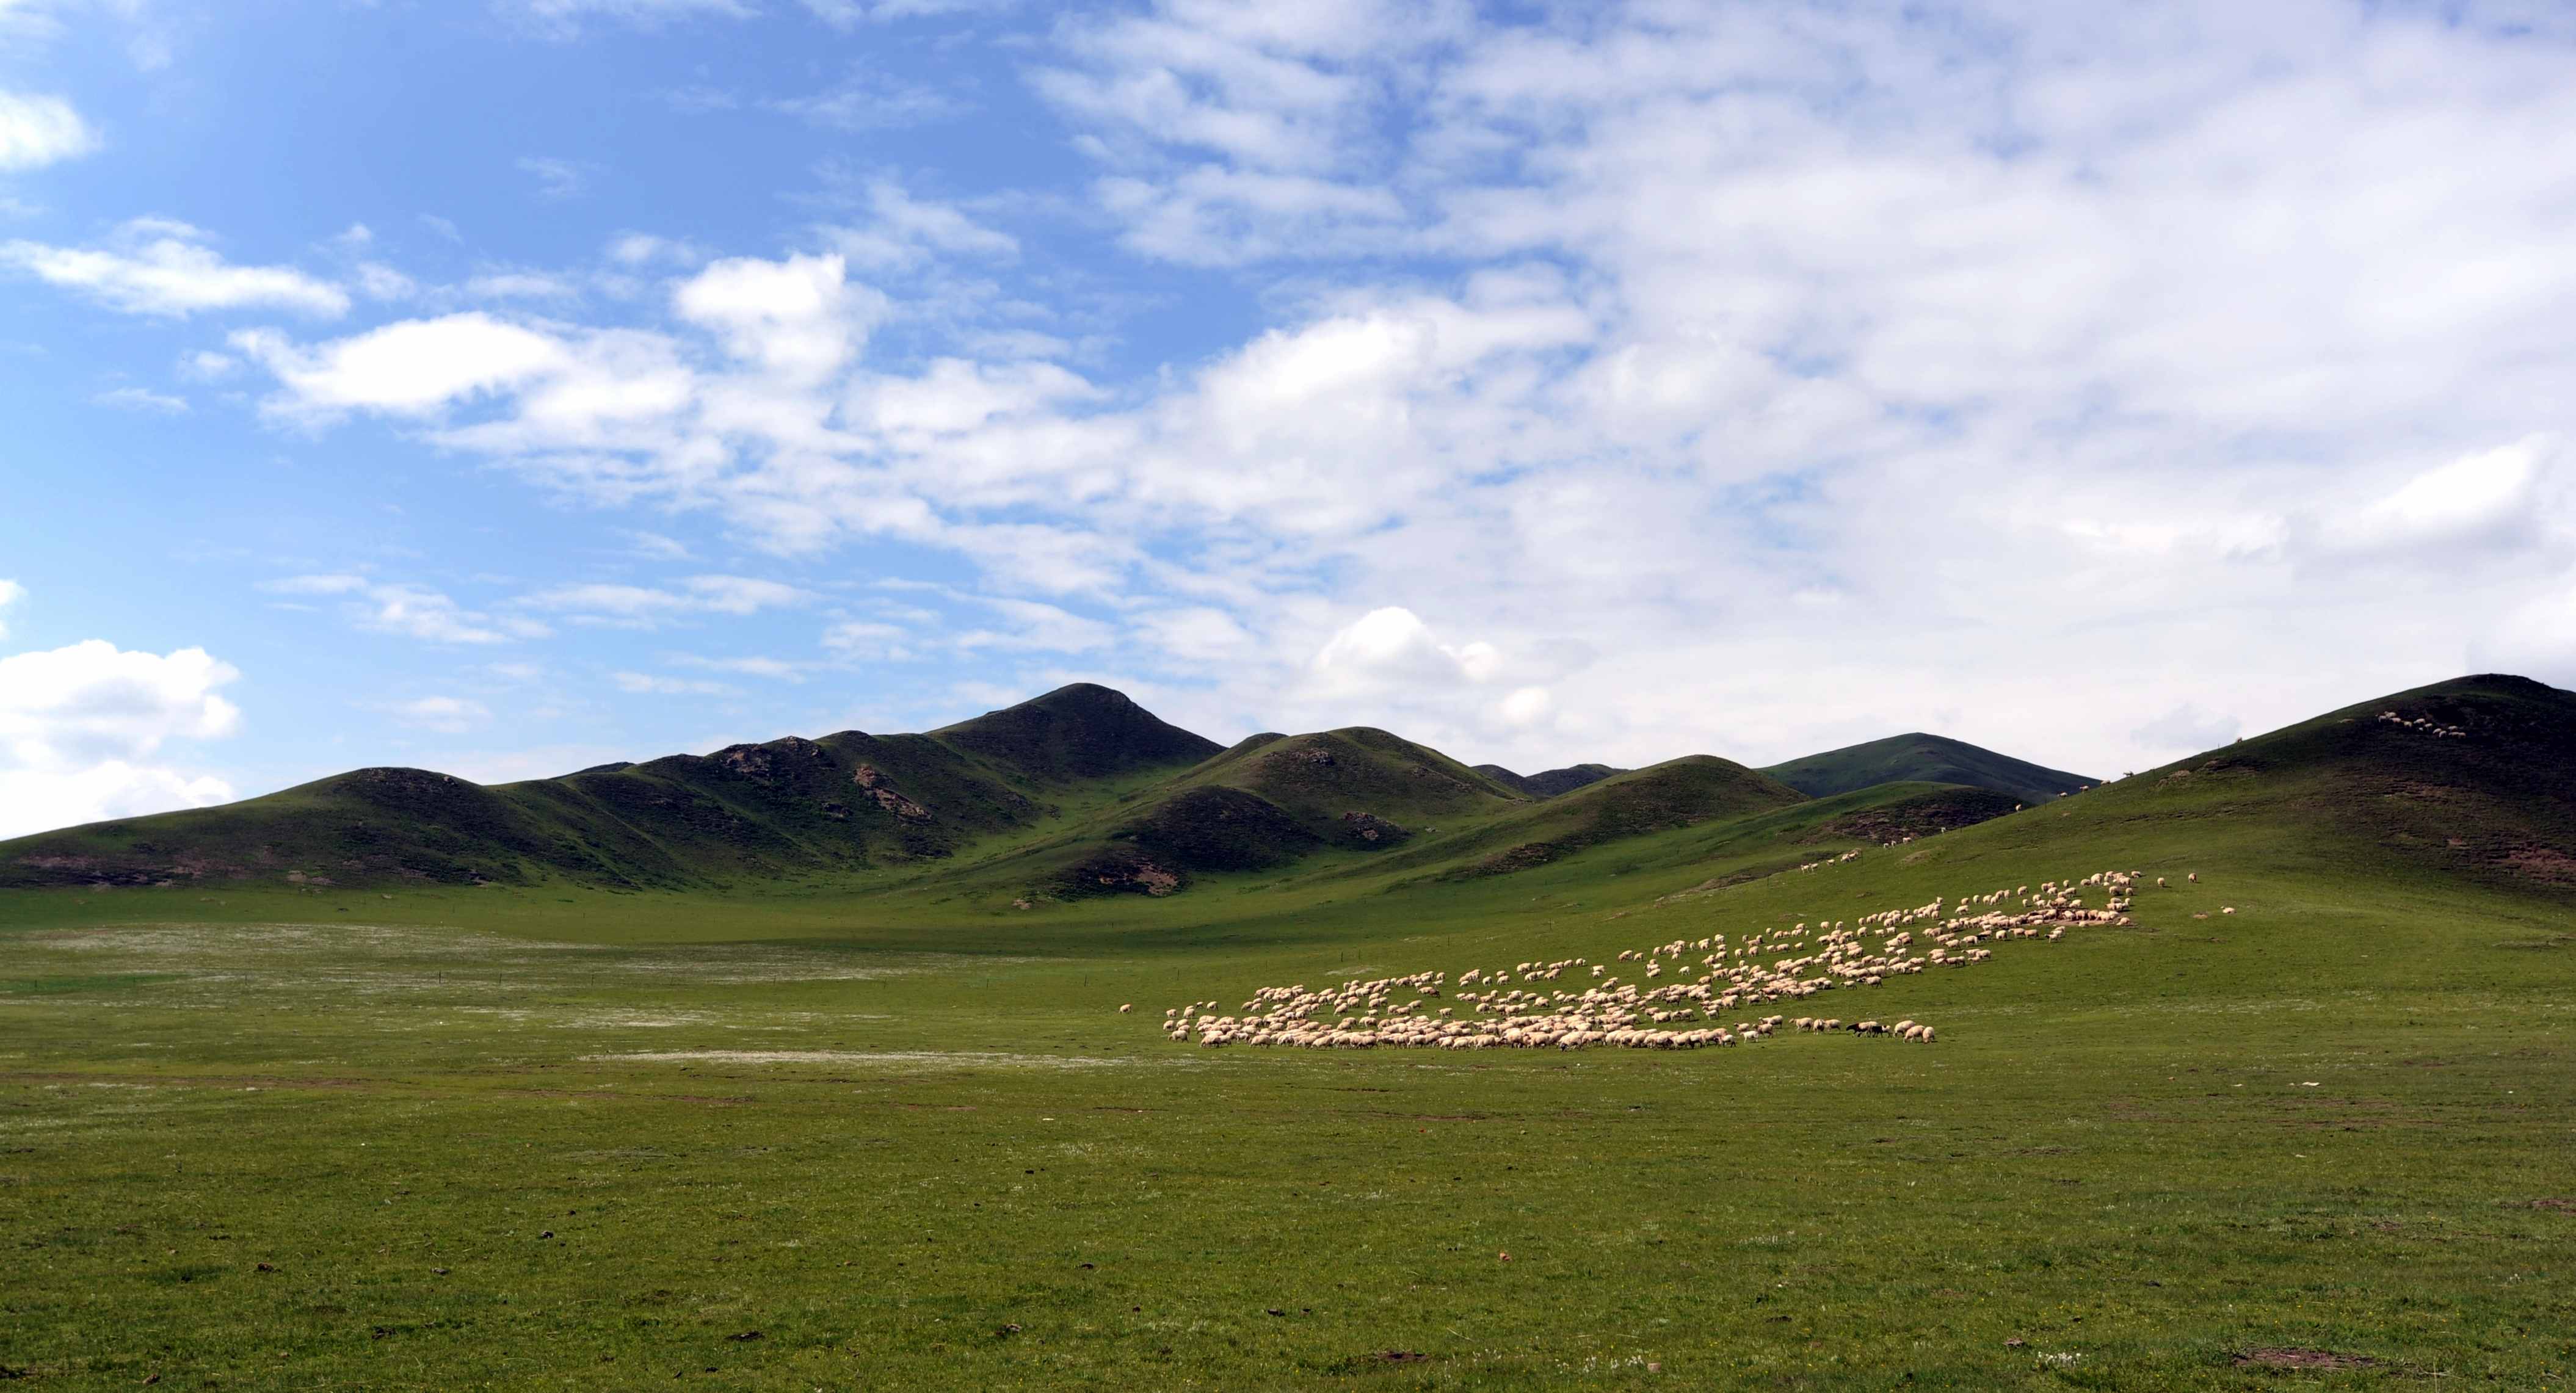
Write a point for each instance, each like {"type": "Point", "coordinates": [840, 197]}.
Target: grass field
{"type": "Point", "coordinates": [565, 1138]}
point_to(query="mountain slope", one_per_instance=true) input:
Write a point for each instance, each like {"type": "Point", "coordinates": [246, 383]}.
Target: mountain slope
{"type": "Point", "coordinates": [1358, 775]}
{"type": "Point", "coordinates": [1676, 793]}
{"type": "Point", "coordinates": [781, 809]}
{"type": "Point", "coordinates": [2474, 775]}
{"type": "Point", "coordinates": [1921, 758]}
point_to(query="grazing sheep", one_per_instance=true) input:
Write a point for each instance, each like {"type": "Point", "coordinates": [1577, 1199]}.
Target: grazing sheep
{"type": "Point", "coordinates": [1389, 1011]}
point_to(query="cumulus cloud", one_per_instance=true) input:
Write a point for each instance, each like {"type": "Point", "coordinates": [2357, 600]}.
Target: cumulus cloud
{"type": "Point", "coordinates": [40, 130]}
{"type": "Point", "coordinates": [801, 317]}
{"type": "Point", "coordinates": [153, 266]}
{"type": "Point", "coordinates": [11, 592]}
{"type": "Point", "coordinates": [80, 727]}
{"type": "Point", "coordinates": [1392, 648]}
{"type": "Point", "coordinates": [409, 368]}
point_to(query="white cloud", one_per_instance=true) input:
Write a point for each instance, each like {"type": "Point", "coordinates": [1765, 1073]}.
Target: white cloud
{"type": "Point", "coordinates": [646, 683]}
{"type": "Point", "coordinates": [558, 178]}
{"type": "Point", "coordinates": [801, 317]}
{"type": "Point", "coordinates": [205, 365]}
{"type": "Point", "coordinates": [871, 640]}
{"type": "Point", "coordinates": [641, 606]}
{"type": "Point", "coordinates": [775, 669]}
{"type": "Point", "coordinates": [871, 101]}
{"type": "Point", "coordinates": [635, 249]}
{"type": "Point", "coordinates": [142, 399]}
{"type": "Point", "coordinates": [413, 367]}
{"type": "Point", "coordinates": [156, 267]}
{"type": "Point", "coordinates": [40, 800]}
{"type": "Point", "coordinates": [39, 130]}
{"type": "Point", "coordinates": [656, 546]}
{"type": "Point", "coordinates": [79, 724]}
{"type": "Point", "coordinates": [902, 230]}
{"type": "Point", "coordinates": [1527, 706]}
{"type": "Point", "coordinates": [11, 592]}
{"type": "Point", "coordinates": [1028, 626]}
{"type": "Point", "coordinates": [2487, 498]}
{"type": "Point", "coordinates": [519, 285]}
{"type": "Point", "coordinates": [447, 715]}
{"type": "Point", "coordinates": [408, 610]}
{"type": "Point", "coordinates": [381, 282]}
{"type": "Point", "coordinates": [1391, 647]}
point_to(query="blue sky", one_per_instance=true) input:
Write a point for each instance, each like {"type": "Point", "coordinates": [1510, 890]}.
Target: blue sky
{"type": "Point", "coordinates": [506, 387]}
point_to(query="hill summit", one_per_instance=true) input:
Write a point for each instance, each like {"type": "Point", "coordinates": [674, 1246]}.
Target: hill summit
{"type": "Point", "coordinates": [1082, 731]}
{"type": "Point", "coordinates": [1922, 758]}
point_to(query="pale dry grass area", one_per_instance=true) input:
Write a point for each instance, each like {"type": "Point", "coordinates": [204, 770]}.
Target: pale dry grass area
{"type": "Point", "coordinates": [510, 1000]}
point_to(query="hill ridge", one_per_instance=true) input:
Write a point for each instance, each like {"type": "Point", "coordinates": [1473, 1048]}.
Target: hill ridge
{"type": "Point", "coordinates": [1920, 756]}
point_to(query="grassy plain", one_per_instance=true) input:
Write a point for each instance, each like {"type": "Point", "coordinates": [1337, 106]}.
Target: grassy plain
{"type": "Point", "coordinates": [565, 1138]}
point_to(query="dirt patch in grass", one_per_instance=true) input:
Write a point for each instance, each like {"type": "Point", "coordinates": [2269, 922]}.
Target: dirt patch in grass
{"type": "Point", "coordinates": [2559, 1205]}
{"type": "Point", "coordinates": [2294, 1357]}
{"type": "Point", "coordinates": [2542, 863]}
{"type": "Point", "coordinates": [958, 1059]}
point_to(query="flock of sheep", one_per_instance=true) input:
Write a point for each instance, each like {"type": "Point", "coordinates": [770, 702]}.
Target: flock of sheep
{"type": "Point", "coordinates": [2425, 724]}
{"type": "Point", "coordinates": [1673, 996]}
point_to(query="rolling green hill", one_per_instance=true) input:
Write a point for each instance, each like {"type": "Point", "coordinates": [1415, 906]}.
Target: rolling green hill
{"type": "Point", "coordinates": [1081, 793]}
{"type": "Point", "coordinates": [1659, 798]}
{"type": "Point", "coordinates": [2475, 776]}
{"type": "Point", "coordinates": [1924, 758]}
{"type": "Point", "coordinates": [783, 809]}
{"type": "Point", "coordinates": [1270, 801]}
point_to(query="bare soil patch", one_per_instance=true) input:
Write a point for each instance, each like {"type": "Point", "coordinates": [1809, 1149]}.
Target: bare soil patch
{"type": "Point", "coordinates": [2542, 863]}
{"type": "Point", "coordinates": [2293, 1357]}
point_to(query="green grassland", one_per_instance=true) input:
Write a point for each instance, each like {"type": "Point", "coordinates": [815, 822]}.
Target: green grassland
{"type": "Point", "coordinates": [879, 1127]}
